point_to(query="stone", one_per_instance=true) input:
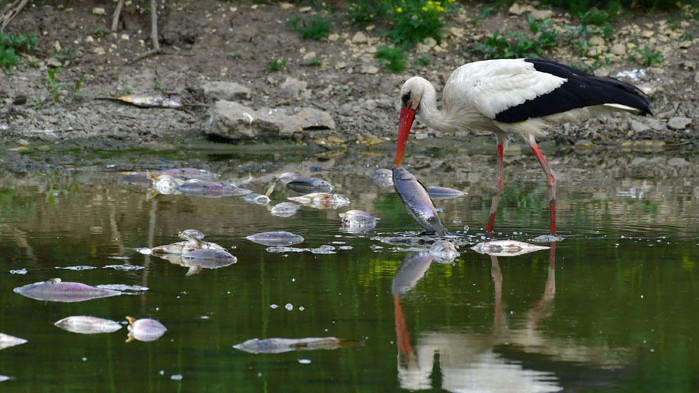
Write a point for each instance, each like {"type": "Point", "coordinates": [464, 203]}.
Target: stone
{"type": "Point", "coordinates": [222, 90]}
{"type": "Point", "coordinates": [638, 126]}
{"type": "Point", "coordinates": [309, 56]}
{"type": "Point", "coordinates": [333, 37]}
{"type": "Point", "coordinates": [99, 11]}
{"type": "Point", "coordinates": [359, 38]}
{"type": "Point", "coordinates": [541, 14]}
{"type": "Point", "coordinates": [98, 50]}
{"type": "Point", "coordinates": [596, 40]}
{"type": "Point", "coordinates": [370, 70]}
{"type": "Point", "coordinates": [678, 161]}
{"type": "Point", "coordinates": [679, 123]}
{"type": "Point", "coordinates": [292, 87]}
{"type": "Point", "coordinates": [618, 49]}
{"type": "Point", "coordinates": [696, 78]}
{"type": "Point", "coordinates": [57, 46]}
{"type": "Point", "coordinates": [235, 121]}
{"type": "Point", "coordinates": [647, 33]}
{"type": "Point", "coordinates": [286, 6]}
{"type": "Point", "coordinates": [53, 62]}
{"type": "Point", "coordinates": [429, 42]}
{"type": "Point", "coordinates": [685, 44]}
{"type": "Point", "coordinates": [516, 9]}
{"type": "Point", "coordinates": [457, 32]}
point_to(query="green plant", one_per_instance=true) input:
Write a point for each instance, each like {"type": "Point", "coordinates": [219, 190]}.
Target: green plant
{"type": "Point", "coordinates": [413, 21]}
{"type": "Point", "coordinates": [314, 62]}
{"type": "Point", "coordinates": [316, 28]}
{"type": "Point", "coordinates": [422, 61]}
{"type": "Point", "coordinates": [392, 58]}
{"type": "Point", "coordinates": [508, 45]}
{"type": "Point", "coordinates": [99, 32]}
{"type": "Point", "coordinates": [69, 55]}
{"type": "Point", "coordinates": [55, 88]}
{"type": "Point", "coordinates": [275, 65]}
{"type": "Point", "coordinates": [363, 12]}
{"type": "Point", "coordinates": [645, 56]}
{"type": "Point", "coordinates": [8, 57]}
{"type": "Point", "coordinates": [12, 46]}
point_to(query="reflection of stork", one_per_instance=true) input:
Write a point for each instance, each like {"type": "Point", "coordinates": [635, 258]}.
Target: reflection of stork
{"type": "Point", "coordinates": [472, 362]}
{"type": "Point", "coordinates": [514, 97]}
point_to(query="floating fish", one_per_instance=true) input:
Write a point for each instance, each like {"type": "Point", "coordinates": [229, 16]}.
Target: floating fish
{"type": "Point", "coordinates": [193, 241]}
{"type": "Point", "coordinates": [256, 198]}
{"type": "Point", "coordinates": [410, 271]}
{"type": "Point", "coordinates": [357, 221]}
{"type": "Point", "coordinates": [285, 209]}
{"type": "Point", "coordinates": [383, 177]}
{"type": "Point", "coordinates": [144, 329]}
{"type": "Point", "coordinates": [55, 290]}
{"type": "Point", "coordinates": [88, 325]}
{"type": "Point", "coordinates": [280, 345]}
{"type": "Point", "coordinates": [7, 341]}
{"type": "Point", "coordinates": [280, 238]}
{"type": "Point", "coordinates": [189, 173]}
{"type": "Point", "coordinates": [437, 192]}
{"type": "Point", "coordinates": [309, 184]}
{"type": "Point", "coordinates": [443, 251]}
{"type": "Point", "coordinates": [505, 248]}
{"type": "Point", "coordinates": [211, 189]}
{"type": "Point", "coordinates": [157, 101]}
{"type": "Point", "coordinates": [164, 184]}
{"type": "Point", "coordinates": [321, 200]}
{"type": "Point", "coordinates": [417, 201]}
{"type": "Point", "coordinates": [204, 258]}
{"type": "Point", "coordinates": [287, 177]}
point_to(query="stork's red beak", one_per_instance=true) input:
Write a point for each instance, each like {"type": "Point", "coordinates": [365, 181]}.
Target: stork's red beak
{"type": "Point", "coordinates": [406, 121]}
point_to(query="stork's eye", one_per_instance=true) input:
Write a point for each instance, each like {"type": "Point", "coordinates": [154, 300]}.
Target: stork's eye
{"type": "Point", "coordinates": [405, 99]}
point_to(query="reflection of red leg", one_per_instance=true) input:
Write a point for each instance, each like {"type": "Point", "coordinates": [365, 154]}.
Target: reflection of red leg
{"type": "Point", "coordinates": [550, 181]}
{"type": "Point", "coordinates": [496, 274]}
{"type": "Point", "coordinates": [541, 307]}
{"type": "Point", "coordinates": [498, 186]}
{"type": "Point", "coordinates": [402, 334]}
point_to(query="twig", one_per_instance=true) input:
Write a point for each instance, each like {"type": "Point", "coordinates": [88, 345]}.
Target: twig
{"type": "Point", "coordinates": [151, 52]}
{"type": "Point", "coordinates": [154, 25]}
{"type": "Point", "coordinates": [115, 18]}
{"type": "Point", "coordinates": [12, 10]}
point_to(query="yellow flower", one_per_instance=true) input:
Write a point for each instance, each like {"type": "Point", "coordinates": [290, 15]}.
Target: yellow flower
{"type": "Point", "coordinates": [429, 3]}
{"type": "Point", "coordinates": [424, 9]}
{"type": "Point", "coordinates": [399, 10]}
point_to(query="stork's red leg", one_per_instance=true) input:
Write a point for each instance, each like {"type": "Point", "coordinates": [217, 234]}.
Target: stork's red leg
{"type": "Point", "coordinates": [550, 181]}
{"type": "Point", "coordinates": [498, 186]}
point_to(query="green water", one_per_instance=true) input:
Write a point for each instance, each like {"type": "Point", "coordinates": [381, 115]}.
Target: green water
{"type": "Point", "coordinates": [612, 308]}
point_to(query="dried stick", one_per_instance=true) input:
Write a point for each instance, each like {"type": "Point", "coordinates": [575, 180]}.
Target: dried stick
{"type": "Point", "coordinates": [154, 25]}
{"type": "Point", "coordinates": [115, 18]}
{"type": "Point", "coordinates": [12, 11]}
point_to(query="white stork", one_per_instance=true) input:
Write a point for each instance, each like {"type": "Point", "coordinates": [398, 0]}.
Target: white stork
{"type": "Point", "coordinates": [514, 97]}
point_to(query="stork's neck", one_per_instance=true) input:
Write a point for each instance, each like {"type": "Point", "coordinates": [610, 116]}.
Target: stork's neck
{"type": "Point", "coordinates": [430, 115]}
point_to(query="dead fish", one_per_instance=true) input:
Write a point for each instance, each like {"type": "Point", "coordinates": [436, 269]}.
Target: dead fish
{"type": "Point", "coordinates": [55, 290]}
{"type": "Point", "coordinates": [410, 272]}
{"type": "Point", "coordinates": [193, 241]}
{"type": "Point", "coordinates": [203, 258]}
{"type": "Point", "coordinates": [355, 221]}
{"type": "Point", "coordinates": [144, 329]}
{"type": "Point", "coordinates": [383, 177]}
{"type": "Point", "coordinates": [211, 189]}
{"type": "Point", "coordinates": [321, 200]}
{"type": "Point", "coordinates": [189, 173]}
{"type": "Point", "coordinates": [7, 341]}
{"type": "Point", "coordinates": [88, 325]}
{"type": "Point", "coordinates": [287, 177]}
{"type": "Point", "coordinates": [285, 209]}
{"type": "Point", "coordinates": [309, 184]}
{"type": "Point", "coordinates": [256, 198]}
{"type": "Point", "coordinates": [504, 248]}
{"type": "Point", "coordinates": [165, 184]}
{"type": "Point", "coordinates": [417, 201]}
{"type": "Point", "coordinates": [437, 192]}
{"type": "Point", "coordinates": [280, 238]}
{"type": "Point", "coordinates": [443, 251]}
{"type": "Point", "coordinates": [157, 101]}
{"type": "Point", "coordinates": [280, 345]}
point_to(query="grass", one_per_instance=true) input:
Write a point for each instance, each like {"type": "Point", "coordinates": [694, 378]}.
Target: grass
{"type": "Point", "coordinates": [509, 45]}
{"type": "Point", "coordinates": [12, 46]}
{"type": "Point", "coordinates": [414, 21]}
{"type": "Point", "coordinates": [55, 89]}
{"type": "Point", "coordinates": [364, 12]}
{"type": "Point", "coordinates": [275, 65]}
{"type": "Point", "coordinates": [316, 28]}
{"type": "Point", "coordinates": [645, 56]}
{"type": "Point", "coordinates": [392, 58]}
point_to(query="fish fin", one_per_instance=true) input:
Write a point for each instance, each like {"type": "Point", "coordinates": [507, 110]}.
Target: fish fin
{"type": "Point", "coordinates": [54, 280]}
{"type": "Point", "coordinates": [129, 338]}
{"type": "Point", "coordinates": [193, 270]}
{"type": "Point", "coordinates": [270, 189]}
{"type": "Point", "coordinates": [151, 194]}
{"type": "Point", "coordinates": [131, 320]}
{"type": "Point", "coordinates": [152, 176]}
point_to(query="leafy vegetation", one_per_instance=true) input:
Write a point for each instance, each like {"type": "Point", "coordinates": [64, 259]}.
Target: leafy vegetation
{"type": "Point", "coordinates": [276, 64]}
{"type": "Point", "coordinates": [56, 89]}
{"type": "Point", "coordinates": [363, 12]}
{"type": "Point", "coordinates": [645, 56]}
{"type": "Point", "coordinates": [392, 58]}
{"type": "Point", "coordinates": [508, 45]}
{"type": "Point", "coordinates": [316, 28]}
{"type": "Point", "coordinates": [414, 21]}
{"type": "Point", "coordinates": [12, 46]}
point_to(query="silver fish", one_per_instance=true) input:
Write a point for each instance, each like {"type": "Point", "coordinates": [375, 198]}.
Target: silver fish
{"type": "Point", "coordinates": [309, 184]}
{"type": "Point", "coordinates": [280, 238]}
{"type": "Point", "coordinates": [443, 251]}
{"type": "Point", "coordinates": [7, 341]}
{"type": "Point", "coordinates": [193, 241]}
{"type": "Point", "coordinates": [55, 290]}
{"type": "Point", "coordinates": [437, 192]}
{"type": "Point", "coordinates": [383, 177]}
{"type": "Point", "coordinates": [256, 198]}
{"type": "Point", "coordinates": [504, 248]}
{"type": "Point", "coordinates": [417, 201]}
{"type": "Point", "coordinates": [211, 189]}
{"type": "Point", "coordinates": [321, 200]}
{"type": "Point", "coordinates": [203, 258]}
{"type": "Point", "coordinates": [189, 173]}
{"type": "Point", "coordinates": [410, 272]}
{"type": "Point", "coordinates": [285, 209]}
{"type": "Point", "coordinates": [158, 101]}
{"type": "Point", "coordinates": [357, 221]}
{"type": "Point", "coordinates": [280, 345]}
{"type": "Point", "coordinates": [88, 325]}
{"type": "Point", "coordinates": [144, 329]}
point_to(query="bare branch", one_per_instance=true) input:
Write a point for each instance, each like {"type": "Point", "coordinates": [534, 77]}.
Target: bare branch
{"type": "Point", "coordinates": [10, 12]}
{"type": "Point", "coordinates": [115, 18]}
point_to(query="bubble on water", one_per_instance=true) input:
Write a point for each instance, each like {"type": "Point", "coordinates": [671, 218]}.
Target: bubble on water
{"type": "Point", "coordinates": [122, 257]}
{"type": "Point", "coordinates": [84, 359]}
{"type": "Point", "coordinates": [305, 361]}
{"type": "Point", "coordinates": [161, 372]}
{"type": "Point", "coordinates": [301, 308]}
{"type": "Point", "coordinates": [289, 306]}
{"type": "Point", "coordinates": [76, 268]}
{"type": "Point", "coordinates": [273, 306]}
{"type": "Point", "coordinates": [345, 247]}
{"type": "Point", "coordinates": [123, 287]}
{"type": "Point", "coordinates": [125, 268]}
{"type": "Point", "coordinates": [145, 251]}
{"type": "Point", "coordinates": [176, 377]}
{"type": "Point", "coordinates": [19, 271]}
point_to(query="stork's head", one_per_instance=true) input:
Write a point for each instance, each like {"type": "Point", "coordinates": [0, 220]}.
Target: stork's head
{"type": "Point", "coordinates": [410, 95]}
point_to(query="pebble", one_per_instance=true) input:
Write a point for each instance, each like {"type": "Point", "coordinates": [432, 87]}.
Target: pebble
{"type": "Point", "coordinates": [99, 11]}
{"type": "Point", "coordinates": [541, 14]}
{"type": "Point", "coordinates": [359, 38]}
{"type": "Point", "coordinates": [679, 123]}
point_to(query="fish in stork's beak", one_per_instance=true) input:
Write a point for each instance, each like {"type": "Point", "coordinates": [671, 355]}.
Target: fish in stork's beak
{"type": "Point", "coordinates": [407, 115]}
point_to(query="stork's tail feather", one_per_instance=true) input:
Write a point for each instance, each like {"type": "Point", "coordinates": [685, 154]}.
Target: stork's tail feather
{"type": "Point", "coordinates": [624, 96]}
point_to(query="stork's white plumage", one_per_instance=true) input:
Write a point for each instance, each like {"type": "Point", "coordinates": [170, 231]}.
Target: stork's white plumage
{"type": "Point", "coordinates": [523, 97]}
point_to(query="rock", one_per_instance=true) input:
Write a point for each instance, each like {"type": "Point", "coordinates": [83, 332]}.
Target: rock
{"type": "Point", "coordinates": [678, 161]}
{"type": "Point", "coordinates": [429, 42]}
{"type": "Point", "coordinates": [235, 121]}
{"type": "Point", "coordinates": [689, 65]}
{"type": "Point", "coordinates": [685, 44]}
{"type": "Point", "coordinates": [333, 37]}
{"type": "Point", "coordinates": [99, 11]}
{"type": "Point", "coordinates": [596, 40]}
{"type": "Point", "coordinates": [98, 50]}
{"type": "Point", "coordinates": [541, 14]}
{"type": "Point", "coordinates": [359, 38]}
{"type": "Point", "coordinates": [655, 124]}
{"type": "Point", "coordinates": [696, 78]}
{"type": "Point", "coordinates": [457, 32]}
{"type": "Point", "coordinates": [516, 9]}
{"type": "Point", "coordinates": [647, 33]}
{"type": "Point", "coordinates": [53, 62]}
{"type": "Point", "coordinates": [286, 6]}
{"type": "Point", "coordinates": [221, 90]}
{"type": "Point", "coordinates": [370, 70]}
{"type": "Point", "coordinates": [292, 87]}
{"type": "Point", "coordinates": [618, 49]}
{"type": "Point", "coordinates": [679, 123]}
{"type": "Point", "coordinates": [637, 126]}
{"type": "Point", "coordinates": [309, 56]}
{"type": "Point", "coordinates": [57, 46]}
